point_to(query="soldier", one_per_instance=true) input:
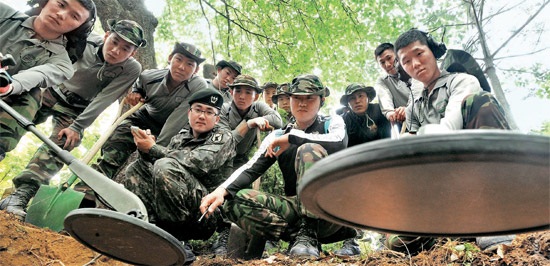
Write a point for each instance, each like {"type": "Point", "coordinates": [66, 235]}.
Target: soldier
{"type": "Point", "coordinates": [450, 101]}
{"type": "Point", "coordinates": [282, 100]}
{"type": "Point", "coordinates": [365, 122]}
{"type": "Point", "coordinates": [227, 72]}
{"type": "Point", "coordinates": [393, 93]}
{"type": "Point", "coordinates": [102, 75]}
{"type": "Point", "coordinates": [172, 180]}
{"type": "Point", "coordinates": [165, 93]}
{"type": "Point", "coordinates": [245, 116]}
{"type": "Point", "coordinates": [296, 148]}
{"type": "Point", "coordinates": [268, 90]}
{"type": "Point", "coordinates": [37, 44]}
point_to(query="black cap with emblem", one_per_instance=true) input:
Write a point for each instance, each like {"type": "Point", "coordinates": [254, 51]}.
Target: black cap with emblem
{"type": "Point", "coordinates": [207, 96]}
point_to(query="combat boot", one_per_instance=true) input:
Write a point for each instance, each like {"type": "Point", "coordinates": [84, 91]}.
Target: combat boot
{"type": "Point", "coordinates": [349, 248]}
{"type": "Point", "coordinates": [189, 255]}
{"type": "Point", "coordinates": [17, 202]}
{"type": "Point", "coordinates": [219, 248]}
{"type": "Point", "coordinates": [306, 243]}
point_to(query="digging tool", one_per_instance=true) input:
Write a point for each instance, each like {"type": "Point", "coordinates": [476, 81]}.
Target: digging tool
{"type": "Point", "coordinates": [51, 204]}
{"type": "Point", "coordinates": [119, 198]}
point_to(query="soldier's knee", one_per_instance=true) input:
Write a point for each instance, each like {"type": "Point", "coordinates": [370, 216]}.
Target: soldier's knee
{"type": "Point", "coordinates": [311, 152]}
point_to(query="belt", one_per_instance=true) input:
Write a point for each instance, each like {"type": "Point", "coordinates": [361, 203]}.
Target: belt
{"type": "Point", "coordinates": [68, 97]}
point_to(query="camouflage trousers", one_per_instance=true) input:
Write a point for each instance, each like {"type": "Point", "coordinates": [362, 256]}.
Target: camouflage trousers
{"type": "Point", "coordinates": [277, 217]}
{"type": "Point", "coordinates": [118, 148]}
{"type": "Point", "coordinates": [26, 104]}
{"type": "Point", "coordinates": [482, 111]}
{"type": "Point", "coordinates": [172, 196]}
{"type": "Point", "coordinates": [44, 164]}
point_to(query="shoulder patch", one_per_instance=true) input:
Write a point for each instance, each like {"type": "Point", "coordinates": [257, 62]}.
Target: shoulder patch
{"type": "Point", "coordinates": [217, 137]}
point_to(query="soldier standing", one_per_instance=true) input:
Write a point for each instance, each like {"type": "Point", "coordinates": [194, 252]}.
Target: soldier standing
{"type": "Point", "coordinates": [37, 44]}
{"type": "Point", "coordinates": [172, 180]}
{"type": "Point", "coordinates": [104, 73]}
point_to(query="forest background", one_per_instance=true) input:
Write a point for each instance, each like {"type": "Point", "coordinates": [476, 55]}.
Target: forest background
{"type": "Point", "coordinates": [335, 39]}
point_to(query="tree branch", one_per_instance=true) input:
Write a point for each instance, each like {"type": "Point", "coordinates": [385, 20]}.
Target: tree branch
{"type": "Point", "coordinates": [521, 28]}
{"type": "Point", "coordinates": [209, 33]}
{"type": "Point", "coordinates": [519, 55]}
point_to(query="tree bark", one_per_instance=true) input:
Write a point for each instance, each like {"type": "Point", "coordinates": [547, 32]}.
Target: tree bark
{"type": "Point", "coordinates": [133, 10]}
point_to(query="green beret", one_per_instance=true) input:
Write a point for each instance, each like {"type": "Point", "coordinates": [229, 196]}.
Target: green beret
{"type": "Point", "coordinates": [207, 96]}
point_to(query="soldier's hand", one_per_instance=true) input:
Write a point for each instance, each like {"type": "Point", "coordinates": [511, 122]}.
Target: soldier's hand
{"type": "Point", "coordinates": [258, 122]}
{"type": "Point", "coordinates": [72, 138]}
{"type": "Point", "coordinates": [213, 200]}
{"type": "Point", "coordinates": [143, 140]}
{"type": "Point", "coordinates": [134, 98]}
{"type": "Point", "coordinates": [400, 114]}
{"type": "Point", "coordinates": [278, 146]}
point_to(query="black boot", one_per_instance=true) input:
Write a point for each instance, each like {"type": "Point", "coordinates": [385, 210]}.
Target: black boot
{"type": "Point", "coordinates": [306, 243]}
{"type": "Point", "coordinates": [349, 248]}
{"type": "Point", "coordinates": [219, 248]}
{"type": "Point", "coordinates": [189, 255]}
{"type": "Point", "coordinates": [17, 202]}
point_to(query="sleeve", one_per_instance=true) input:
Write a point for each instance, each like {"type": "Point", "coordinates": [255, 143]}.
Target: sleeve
{"type": "Point", "coordinates": [56, 70]}
{"type": "Point", "coordinates": [460, 86]}
{"type": "Point", "coordinates": [107, 96]}
{"type": "Point", "coordinates": [254, 168]}
{"type": "Point", "coordinates": [138, 85]}
{"type": "Point", "coordinates": [384, 97]}
{"type": "Point", "coordinates": [178, 118]}
{"type": "Point", "coordinates": [334, 140]}
{"type": "Point", "coordinates": [219, 148]}
{"type": "Point", "coordinates": [271, 115]}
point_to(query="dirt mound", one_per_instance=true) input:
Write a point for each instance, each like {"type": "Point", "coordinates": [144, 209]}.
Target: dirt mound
{"type": "Point", "coordinates": [24, 244]}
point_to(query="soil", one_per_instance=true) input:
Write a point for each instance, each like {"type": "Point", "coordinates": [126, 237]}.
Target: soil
{"type": "Point", "coordinates": [25, 244]}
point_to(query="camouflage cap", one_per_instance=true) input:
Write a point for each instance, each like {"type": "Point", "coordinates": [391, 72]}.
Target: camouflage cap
{"type": "Point", "coordinates": [307, 84]}
{"type": "Point", "coordinates": [207, 96]}
{"type": "Point", "coordinates": [281, 90]}
{"type": "Point", "coordinates": [231, 64]}
{"type": "Point", "coordinates": [128, 30]}
{"type": "Point", "coordinates": [188, 50]}
{"type": "Point", "coordinates": [246, 80]}
{"type": "Point", "coordinates": [354, 87]}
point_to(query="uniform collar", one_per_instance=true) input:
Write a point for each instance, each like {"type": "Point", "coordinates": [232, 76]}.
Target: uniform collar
{"type": "Point", "coordinates": [56, 46]}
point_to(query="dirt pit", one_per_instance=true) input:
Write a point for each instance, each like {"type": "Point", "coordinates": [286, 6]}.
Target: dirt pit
{"type": "Point", "coordinates": [25, 244]}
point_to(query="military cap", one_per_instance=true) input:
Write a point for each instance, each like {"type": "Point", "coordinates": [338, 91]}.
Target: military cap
{"type": "Point", "coordinates": [231, 64]}
{"type": "Point", "coordinates": [246, 80]}
{"type": "Point", "coordinates": [353, 87]}
{"type": "Point", "coordinates": [307, 84]}
{"type": "Point", "coordinates": [128, 30]}
{"type": "Point", "coordinates": [207, 96]}
{"type": "Point", "coordinates": [188, 50]}
{"type": "Point", "coordinates": [281, 90]}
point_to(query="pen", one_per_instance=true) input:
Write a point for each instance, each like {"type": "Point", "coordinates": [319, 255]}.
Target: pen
{"type": "Point", "coordinates": [204, 213]}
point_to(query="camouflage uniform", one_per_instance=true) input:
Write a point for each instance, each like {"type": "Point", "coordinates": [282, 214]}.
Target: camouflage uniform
{"type": "Point", "coordinates": [449, 101]}
{"type": "Point", "coordinates": [76, 103]}
{"type": "Point", "coordinates": [172, 184]}
{"type": "Point", "coordinates": [164, 113]}
{"type": "Point", "coordinates": [278, 216]}
{"type": "Point", "coordinates": [370, 126]}
{"type": "Point", "coordinates": [39, 63]}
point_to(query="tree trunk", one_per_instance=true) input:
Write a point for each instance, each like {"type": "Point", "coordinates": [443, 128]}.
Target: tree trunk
{"type": "Point", "coordinates": [499, 93]}
{"type": "Point", "coordinates": [133, 10]}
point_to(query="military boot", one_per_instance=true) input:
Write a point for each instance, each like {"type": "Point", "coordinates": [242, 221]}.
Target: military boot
{"type": "Point", "coordinates": [17, 202]}
{"type": "Point", "coordinates": [189, 255]}
{"type": "Point", "coordinates": [306, 243]}
{"type": "Point", "coordinates": [219, 248]}
{"type": "Point", "coordinates": [349, 248]}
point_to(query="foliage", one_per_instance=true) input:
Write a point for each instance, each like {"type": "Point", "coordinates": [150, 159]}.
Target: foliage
{"type": "Point", "coordinates": [277, 40]}
{"type": "Point", "coordinates": [544, 129]}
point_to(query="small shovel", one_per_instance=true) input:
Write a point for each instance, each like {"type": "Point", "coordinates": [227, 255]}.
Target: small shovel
{"type": "Point", "coordinates": [51, 204]}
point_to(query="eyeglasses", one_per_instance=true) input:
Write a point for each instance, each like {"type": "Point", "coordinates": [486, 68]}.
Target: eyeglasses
{"type": "Point", "coordinates": [207, 113]}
